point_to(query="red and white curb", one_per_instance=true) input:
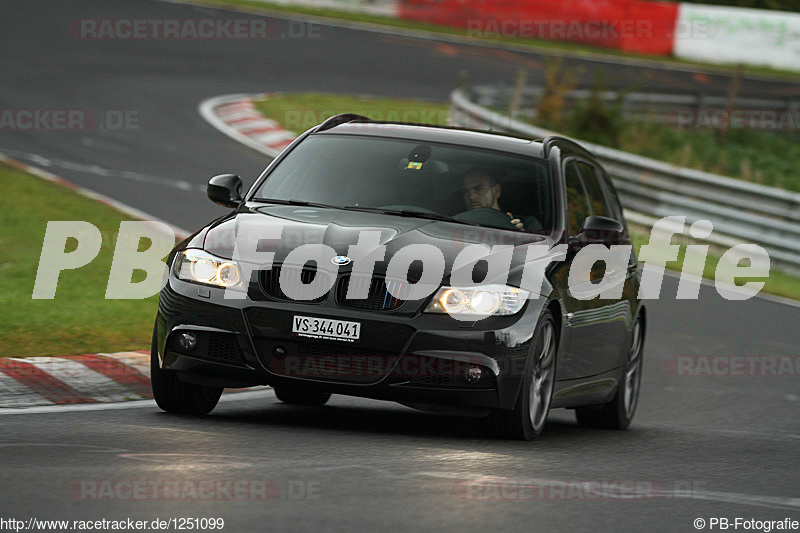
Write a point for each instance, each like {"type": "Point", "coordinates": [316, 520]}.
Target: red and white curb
{"type": "Point", "coordinates": [72, 379]}
{"type": "Point", "coordinates": [236, 116]}
{"type": "Point", "coordinates": [77, 379]}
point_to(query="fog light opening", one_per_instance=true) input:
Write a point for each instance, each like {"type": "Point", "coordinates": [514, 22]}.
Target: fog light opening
{"type": "Point", "coordinates": [187, 341]}
{"type": "Point", "coordinates": [473, 374]}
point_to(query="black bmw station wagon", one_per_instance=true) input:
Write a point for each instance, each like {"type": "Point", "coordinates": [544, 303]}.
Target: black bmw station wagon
{"type": "Point", "coordinates": [393, 261]}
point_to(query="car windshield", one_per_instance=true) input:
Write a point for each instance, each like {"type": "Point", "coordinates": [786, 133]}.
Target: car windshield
{"type": "Point", "coordinates": [409, 178]}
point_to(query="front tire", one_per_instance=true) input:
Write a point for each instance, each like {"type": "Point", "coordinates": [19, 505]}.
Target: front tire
{"type": "Point", "coordinates": [174, 396]}
{"type": "Point", "coordinates": [618, 413]}
{"type": "Point", "coordinates": [528, 418]}
{"type": "Point", "coordinates": [294, 396]}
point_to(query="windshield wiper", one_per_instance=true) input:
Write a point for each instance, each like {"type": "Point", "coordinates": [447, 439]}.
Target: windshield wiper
{"type": "Point", "coordinates": [409, 213]}
{"type": "Point", "coordinates": [396, 212]}
{"type": "Point", "coordinates": [292, 202]}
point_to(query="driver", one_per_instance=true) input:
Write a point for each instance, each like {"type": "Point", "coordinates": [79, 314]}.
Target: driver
{"type": "Point", "coordinates": [481, 189]}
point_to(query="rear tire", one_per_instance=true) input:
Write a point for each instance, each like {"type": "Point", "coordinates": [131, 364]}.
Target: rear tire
{"type": "Point", "coordinates": [294, 396]}
{"type": "Point", "coordinates": [618, 413]}
{"type": "Point", "coordinates": [173, 395]}
{"type": "Point", "coordinates": [528, 418]}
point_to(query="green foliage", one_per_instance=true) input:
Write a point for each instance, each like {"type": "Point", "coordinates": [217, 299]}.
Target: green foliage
{"type": "Point", "coordinates": [768, 158]}
{"type": "Point", "coordinates": [596, 119]}
{"type": "Point", "coordinates": [551, 111]}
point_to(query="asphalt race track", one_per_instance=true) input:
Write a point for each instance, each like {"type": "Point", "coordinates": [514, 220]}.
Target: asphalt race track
{"type": "Point", "coordinates": [708, 446]}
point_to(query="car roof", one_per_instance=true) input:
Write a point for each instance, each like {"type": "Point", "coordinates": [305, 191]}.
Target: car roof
{"type": "Point", "coordinates": [441, 134]}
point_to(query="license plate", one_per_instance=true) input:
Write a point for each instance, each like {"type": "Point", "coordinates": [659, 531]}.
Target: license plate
{"type": "Point", "coordinates": [325, 328]}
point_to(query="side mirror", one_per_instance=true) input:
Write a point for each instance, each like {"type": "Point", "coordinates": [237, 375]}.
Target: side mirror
{"type": "Point", "coordinates": [225, 190]}
{"type": "Point", "coordinates": [598, 230]}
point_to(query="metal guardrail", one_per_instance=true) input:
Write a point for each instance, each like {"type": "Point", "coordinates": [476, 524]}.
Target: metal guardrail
{"type": "Point", "coordinates": [685, 110]}
{"type": "Point", "coordinates": [651, 189]}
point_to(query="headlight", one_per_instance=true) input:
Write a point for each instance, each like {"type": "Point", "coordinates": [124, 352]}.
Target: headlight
{"type": "Point", "coordinates": [479, 301]}
{"type": "Point", "coordinates": [202, 267]}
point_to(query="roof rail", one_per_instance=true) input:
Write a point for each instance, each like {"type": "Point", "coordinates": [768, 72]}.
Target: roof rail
{"type": "Point", "coordinates": [549, 141]}
{"type": "Point", "coordinates": [342, 118]}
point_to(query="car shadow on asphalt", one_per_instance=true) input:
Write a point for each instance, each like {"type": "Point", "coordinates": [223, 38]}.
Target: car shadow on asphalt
{"type": "Point", "coordinates": [388, 418]}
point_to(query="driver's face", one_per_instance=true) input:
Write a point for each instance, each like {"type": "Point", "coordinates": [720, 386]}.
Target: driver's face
{"type": "Point", "coordinates": [478, 191]}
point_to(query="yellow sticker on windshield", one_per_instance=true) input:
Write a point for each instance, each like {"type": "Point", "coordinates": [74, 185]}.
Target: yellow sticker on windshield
{"type": "Point", "coordinates": [414, 165]}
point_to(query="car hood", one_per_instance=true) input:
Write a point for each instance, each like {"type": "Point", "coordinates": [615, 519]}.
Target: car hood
{"type": "Point", "coordinates": [340, 229]}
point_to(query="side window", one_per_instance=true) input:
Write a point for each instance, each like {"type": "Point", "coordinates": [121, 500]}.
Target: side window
{"type": "Point", "coordinates": [613, 199]}
{"type": "Point", "coordinates": [615, 210]}
{"type": "Point", "coordinates": [595, 191]}
{"type": "Point", "coordinates": [577, 201]}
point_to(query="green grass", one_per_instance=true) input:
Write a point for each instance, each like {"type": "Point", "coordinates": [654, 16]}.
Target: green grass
{"type": "Point", "coordinates": [766, 158]}
{"type": "Point", "coordinates": [543, 45]}
{"type": "Point", "coordinates": [288, 109]}
{"type": "Point", "coordinates": [79, 319]}
{"type": "Point", "coordinates": [299, 111]}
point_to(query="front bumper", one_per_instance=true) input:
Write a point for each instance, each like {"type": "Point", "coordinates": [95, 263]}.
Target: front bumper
{"type": "Point", "coordinates": [410, 357]}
